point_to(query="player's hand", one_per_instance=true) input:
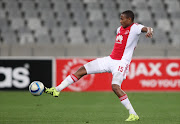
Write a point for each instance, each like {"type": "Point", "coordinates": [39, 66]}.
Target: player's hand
{"type": "Point", "coordinates": [149, 32]}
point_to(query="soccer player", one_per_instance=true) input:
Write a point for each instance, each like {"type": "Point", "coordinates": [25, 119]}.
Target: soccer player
{"type": "Point", "coordinates": [117, 63]}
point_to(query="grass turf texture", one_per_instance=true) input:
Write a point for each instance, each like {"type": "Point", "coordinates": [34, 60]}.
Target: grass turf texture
{"type": "Point", "coordinates": [87, 107]}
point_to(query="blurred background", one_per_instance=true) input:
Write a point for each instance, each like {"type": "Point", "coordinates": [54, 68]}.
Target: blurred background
{"type": "Point", "coordinates": [66, 29]}
{"type": "Point", "coordinates": [85, 27]}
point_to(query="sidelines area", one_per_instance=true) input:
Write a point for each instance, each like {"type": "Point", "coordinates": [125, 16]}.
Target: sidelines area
{"type": "Point", "coordinates": [145, 74]}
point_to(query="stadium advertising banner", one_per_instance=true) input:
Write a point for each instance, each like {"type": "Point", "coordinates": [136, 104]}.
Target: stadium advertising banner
{"type": "Point", "coordinates": [17, 74]}
{"type": "Point", "coordinates": [153, 75]}
{"type": "Point", "coordinates": [144, 75]}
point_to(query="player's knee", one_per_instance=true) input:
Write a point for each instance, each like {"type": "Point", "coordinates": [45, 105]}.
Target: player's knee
{"type": "Point", "coordinates": [80, 72]}
{"type": "Point", "coordinates": [83, 70]}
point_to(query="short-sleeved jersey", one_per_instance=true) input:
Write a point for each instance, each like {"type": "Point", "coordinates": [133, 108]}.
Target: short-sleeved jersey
{"type": "Point", "coordinates": [126, 41]}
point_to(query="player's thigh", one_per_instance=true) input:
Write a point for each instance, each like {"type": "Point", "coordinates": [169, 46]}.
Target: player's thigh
{"type": "Point", "coordinates": [119, 73]}
{"type": "Point", "coordinates": [117, 78]}
{"type": "Point", "coordinates": [98, 65]}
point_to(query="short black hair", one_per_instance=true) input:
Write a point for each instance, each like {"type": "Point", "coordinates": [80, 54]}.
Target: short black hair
{"type": "Point", "coordinates": [129, 14]}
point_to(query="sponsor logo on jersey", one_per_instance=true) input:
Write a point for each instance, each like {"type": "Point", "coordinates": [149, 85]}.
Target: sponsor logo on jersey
{"type": "Point", "coordinates": [119, 39]}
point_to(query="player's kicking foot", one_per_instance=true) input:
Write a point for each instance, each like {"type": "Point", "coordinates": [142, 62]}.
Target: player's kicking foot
{"type": "Point", "coordinates": [132, 117]}
{"type": "Point", "coordinates": [51, 91]}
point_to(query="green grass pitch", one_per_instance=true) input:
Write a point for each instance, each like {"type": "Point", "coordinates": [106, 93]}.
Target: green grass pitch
{"type": "Point", "coordinates": [88, 107]}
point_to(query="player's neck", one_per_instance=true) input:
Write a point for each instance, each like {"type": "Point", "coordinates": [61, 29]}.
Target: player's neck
{"type": "Point", "coordinates": [129, 25]}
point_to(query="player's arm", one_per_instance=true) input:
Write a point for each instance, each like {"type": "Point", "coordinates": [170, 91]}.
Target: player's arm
{"type": "Point", "coordinates": [148, 30]}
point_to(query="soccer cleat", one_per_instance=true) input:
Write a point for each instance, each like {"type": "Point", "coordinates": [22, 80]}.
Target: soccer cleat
{"type": "Point", "coordinates": [132, 117]}
{"type": "Point", "coordinates": [51, 91]}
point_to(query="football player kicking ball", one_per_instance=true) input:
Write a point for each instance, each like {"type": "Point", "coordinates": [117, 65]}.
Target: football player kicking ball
{"type": "Point", "coordinates": [117, 63]}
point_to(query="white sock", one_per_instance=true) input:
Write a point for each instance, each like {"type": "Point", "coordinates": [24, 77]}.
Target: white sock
{"type": "Point", "coordinates": [125, 101]}
{"type": "Point", "coordinates": [66, 82]}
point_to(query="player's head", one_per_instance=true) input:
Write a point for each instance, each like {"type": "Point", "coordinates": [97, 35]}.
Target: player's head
{"type": "Point", "coordinates": [127, 18]}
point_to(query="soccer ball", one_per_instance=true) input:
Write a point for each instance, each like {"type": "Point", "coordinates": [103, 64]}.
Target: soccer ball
{"type": "Point", "coordinates": [36, 88]}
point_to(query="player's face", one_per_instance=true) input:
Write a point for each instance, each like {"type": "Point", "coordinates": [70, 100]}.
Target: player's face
{"type": "Point", "coordinates": [125, 22]}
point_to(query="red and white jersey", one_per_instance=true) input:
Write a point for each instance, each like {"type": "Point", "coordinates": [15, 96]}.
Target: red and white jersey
{"type": "Point", "coordinates": [126, 41]}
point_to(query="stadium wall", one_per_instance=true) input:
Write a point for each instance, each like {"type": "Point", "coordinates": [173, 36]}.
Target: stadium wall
{"type": "Point", "coordinates": [151, 74]}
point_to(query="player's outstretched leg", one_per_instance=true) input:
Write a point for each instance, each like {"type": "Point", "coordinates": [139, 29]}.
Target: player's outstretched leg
{"type": "Point", "coordinates": [55, 91]}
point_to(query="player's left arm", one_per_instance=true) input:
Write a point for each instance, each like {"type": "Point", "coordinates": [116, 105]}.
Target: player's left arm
{"type": "Point", "coordinates": [148, 30]}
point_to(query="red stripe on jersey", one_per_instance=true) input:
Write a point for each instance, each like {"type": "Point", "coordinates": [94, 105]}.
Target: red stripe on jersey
{"type": "Point", "coordinates": [120, 43]}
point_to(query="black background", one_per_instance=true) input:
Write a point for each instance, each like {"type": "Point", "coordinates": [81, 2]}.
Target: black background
{"type": "Point", "coordinates": [39, 70]}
